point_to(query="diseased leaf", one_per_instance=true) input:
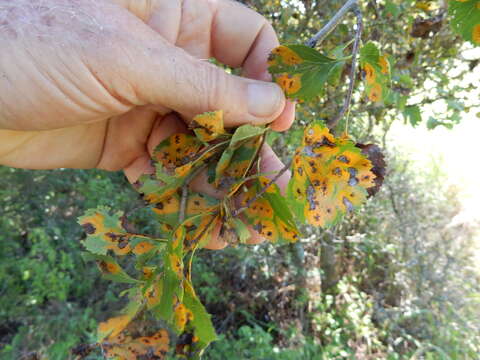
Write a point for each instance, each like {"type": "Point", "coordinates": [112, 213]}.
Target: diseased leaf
{"type": "Point", "coordinates": [125, 347]}
{"type": "Point", "coordinates": [376, 69]}
{"type": "Point", "coordinates": [114, 326]}
{"type": "Point", "coordinates": [264, 219]}
{"type": "Point", "coordinates": [239, 164]}
{"type": "Point", "coordinates": [105, 231]}
{"type": "Point", "coordinates": [208, 126]}
{"type": "Point", "coordinates": [466, 19]}
{"type": "Point", "coordinates": [110, 268]}
{"type": "Point", "coordinates": [300, 70]}
{"type": "Point", "coordinates": [200, 322]}
{"type": "Point", "coordinates": [241, 230]}
{"type": "Point", "coordinates": [172, 278]}
{"type": "Point", "coordinates": [330, 177]}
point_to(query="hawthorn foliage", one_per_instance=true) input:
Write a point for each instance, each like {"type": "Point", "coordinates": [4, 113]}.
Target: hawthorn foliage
{"type": "Point", "coordinates": [331, 176]}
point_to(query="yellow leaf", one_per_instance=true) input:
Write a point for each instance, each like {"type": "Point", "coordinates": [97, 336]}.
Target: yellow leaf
{"type": "Point", "coordinates": [113, 327]}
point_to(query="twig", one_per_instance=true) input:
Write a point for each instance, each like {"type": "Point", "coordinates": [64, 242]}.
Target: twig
{"type": "Point", "coordinates": [263, 190]}
{"type": "Point", "coordinates": [332, 24]}
{"type": "Point", "coordinates": [353, 72]}
{"type": "Point", "coordinates": [183, 203]}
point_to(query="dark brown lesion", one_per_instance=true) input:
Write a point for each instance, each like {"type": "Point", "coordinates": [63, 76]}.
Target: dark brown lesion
{"type": "Point", "coordinates": [89, 228]}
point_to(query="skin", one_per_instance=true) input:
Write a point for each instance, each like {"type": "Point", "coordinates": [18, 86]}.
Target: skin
{"type": "Point", "coordinates": [99, 83]}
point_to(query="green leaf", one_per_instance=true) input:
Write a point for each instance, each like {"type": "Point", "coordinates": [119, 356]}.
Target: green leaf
{"type": "Point", "coordinates": [466, 19]}
{"type": "Point", "coordinates": [172, 289]}
{"type": "Point", "coordinates": [301, 71]}
{"type": "Point", "coordinates": [201, 322]}
{"type": "Point", "coordinates": [245, 132]}
{"type": "Point", "coordinates": [412, 114]}
{"type": "Point", "coordinates": [96, 245]}
{"type": "Point", "coordinates": [110, 269]}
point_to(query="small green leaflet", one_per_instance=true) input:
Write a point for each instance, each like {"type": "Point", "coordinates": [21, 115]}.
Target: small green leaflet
{"type": "Point", "coordinates": [466, 19]}
{"type": "Point", "coordinates": [300, 70]}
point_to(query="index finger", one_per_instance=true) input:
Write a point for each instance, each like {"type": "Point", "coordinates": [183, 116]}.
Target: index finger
{"type": "Point", "coordinates": [240, 37]}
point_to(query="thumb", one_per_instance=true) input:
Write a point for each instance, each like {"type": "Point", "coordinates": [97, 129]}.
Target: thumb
{"type": "Point", "coordinates": [162, 74]}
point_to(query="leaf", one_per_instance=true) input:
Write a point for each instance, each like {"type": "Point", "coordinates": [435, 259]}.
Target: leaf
{"type": "Point", "coordinates": [114, 326]}
{"type": "Point", "coordinates": [208, 126]}
{"type": "Point", "coordinates": [330, 177]}
{"type": "Point", "coordinates": [126, 347]}
{"type": "Point", "coordinates": [239, 164]}
{"type": "Point", "coordinates": [244, 133]}
{"type": "Point", "coordinates": [262, 214]}
{"type": "Point", "coordinates": [465, 19]}
{"type": "Point", "coordinates": [300, 70]}
{"type": "Point", "coordinates": [110, 268]}
{"type": "Point", "coordinates": [241, 230]}
{"type": "Point", "coordinates": [376, 69]}
{"type": "Point", "coordinates": [412, 114]}
{"type": "Point", "coordinates": [104, 231]}
{"type": "Point", "coordinates": [175, 160]}
{"type": "Point", "coordinates": [172, 278]}
{"type": "Point", "coordinates": [200, 322]}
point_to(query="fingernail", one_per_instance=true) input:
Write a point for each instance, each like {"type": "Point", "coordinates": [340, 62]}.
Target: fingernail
{"type": "Point", "coordinates": [264, 99]}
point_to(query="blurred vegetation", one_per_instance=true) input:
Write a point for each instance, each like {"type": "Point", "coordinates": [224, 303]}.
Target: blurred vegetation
{"type": "Point", "coordinates": [394, 281]}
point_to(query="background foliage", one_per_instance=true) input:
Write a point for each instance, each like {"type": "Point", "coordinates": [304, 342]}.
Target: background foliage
{"type": "Point", "coordinates": [394, 281]}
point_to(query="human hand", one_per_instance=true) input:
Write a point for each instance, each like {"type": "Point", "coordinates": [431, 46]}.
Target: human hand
{"type": "Point", "coordinates": [85, 84]}
{"type": "Point", "coordinates": [90, 84]}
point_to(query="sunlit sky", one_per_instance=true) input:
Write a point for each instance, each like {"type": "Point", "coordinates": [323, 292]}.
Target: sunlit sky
{"type": "Point", "coordinates": [457, 152]}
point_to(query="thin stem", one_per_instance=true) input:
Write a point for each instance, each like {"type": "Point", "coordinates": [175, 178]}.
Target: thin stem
{"type": "Point", "coordinates": [183, 203]}
{"type": "Point", "coordinates": [353, 71]}
{"type": "Point", "coordinates": [148, 237]}
{"type": "Point", "coordinates": [332, 24]}
{"type": "Point", "coordinates": [262, 191]}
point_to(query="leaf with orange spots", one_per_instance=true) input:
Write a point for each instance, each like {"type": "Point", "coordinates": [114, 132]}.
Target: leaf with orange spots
{"type": "Point", "coordinates": [105, 231]}
{"type": "Point", "coordinates": [174, 159]}
{"type": "Point", "coordinates": [209, 126]}
{"type": "Point", "coordinates": [112, 327]}
{"type": "Point", "coordinates": [110, 268]}
{"type": "Point", "coordinates": [330, 177]}
{"type": "Point", "coordinates": [270, 215]}
{"type": "Point", "coordinates": [172, 277]}
{"type": "Point", "coordinates": [300, 70]}
{"type": "Point", "coordinates": [240, 162]}
{"type": "Point", "coordinates": [465, 19]}
{"type": "Point", "coordinates": [126, 347]}
{"type": "Point", "coordinates": [376, 71]}
{"type": "Point", "coordinates": [199, 325]}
